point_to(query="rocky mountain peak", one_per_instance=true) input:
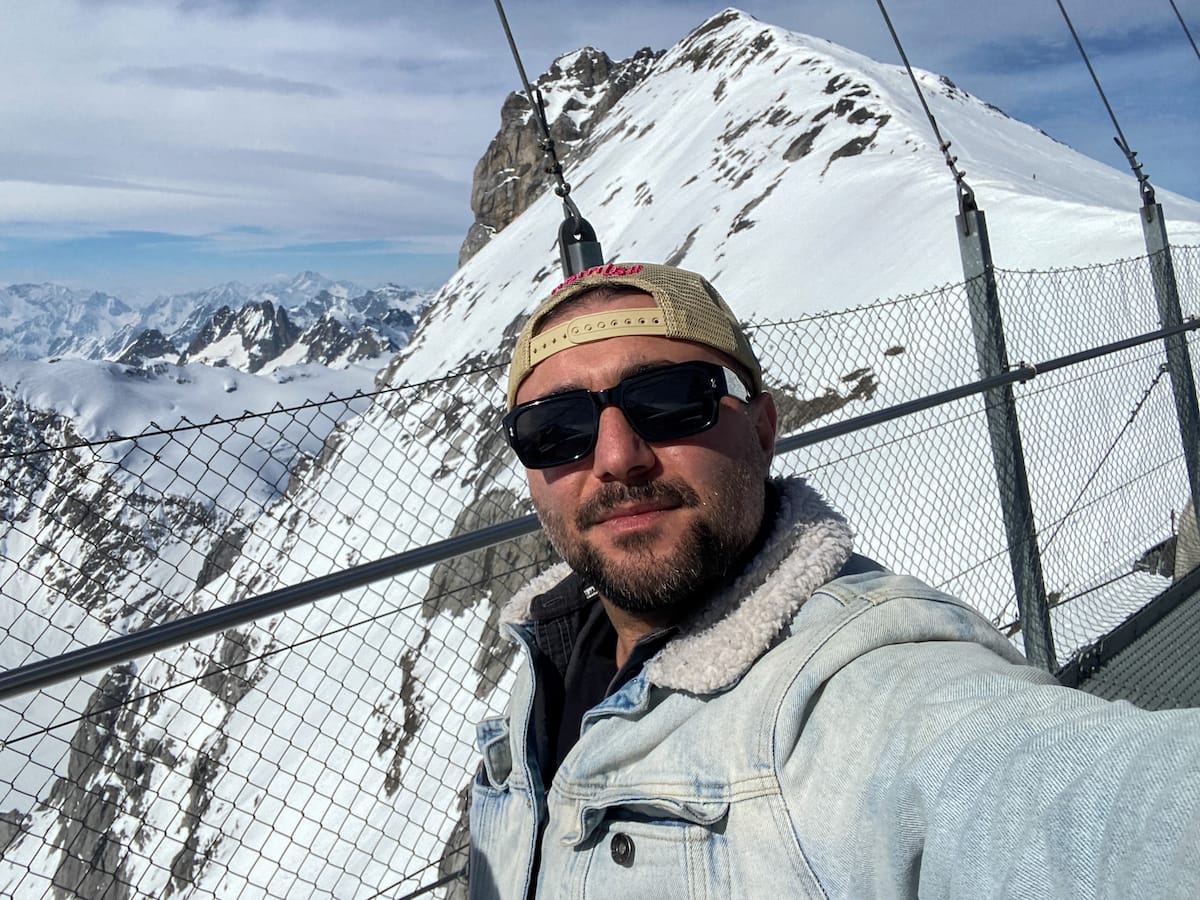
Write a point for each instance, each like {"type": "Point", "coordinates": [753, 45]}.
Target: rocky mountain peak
{"type": "Point", "coordinates": [150, 344]}
{"type": "Point", "coordinates": [246, 338]}
{"type": "Point", "coordinates": [578, 89]}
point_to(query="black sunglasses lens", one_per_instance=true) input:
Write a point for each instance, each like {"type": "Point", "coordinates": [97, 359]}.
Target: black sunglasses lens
{"type": "Point", "coordinates": [662, 406]}
{"type": "Point", "coordinates": [555, 431]}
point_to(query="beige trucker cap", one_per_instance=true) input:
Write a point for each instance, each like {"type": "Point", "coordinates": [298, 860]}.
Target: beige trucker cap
{"type": "Point", "coordinates": [689, 309]}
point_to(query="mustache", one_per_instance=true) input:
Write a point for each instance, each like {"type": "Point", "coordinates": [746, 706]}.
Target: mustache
{"type": "Point", "coordinates": [614, 494]}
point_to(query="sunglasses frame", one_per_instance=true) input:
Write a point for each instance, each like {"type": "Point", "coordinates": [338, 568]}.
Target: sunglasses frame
{"type": "Point", "coordinates": [722, 382]}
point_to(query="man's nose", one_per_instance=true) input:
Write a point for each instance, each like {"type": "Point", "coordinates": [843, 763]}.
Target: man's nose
{"type": "Point", "coordinates": [620, 454]}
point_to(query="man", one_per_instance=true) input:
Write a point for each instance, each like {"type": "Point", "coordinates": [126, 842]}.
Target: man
{"type": "Point", "coordinates": [717, 699]}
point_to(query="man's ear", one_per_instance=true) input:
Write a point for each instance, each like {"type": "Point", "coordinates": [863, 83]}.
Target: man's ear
{"type": "Point", "coordinates": [765, 419]}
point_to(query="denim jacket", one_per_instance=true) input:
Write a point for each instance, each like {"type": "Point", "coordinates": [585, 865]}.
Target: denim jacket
{"type": "Point", "coordinates": [865, 736]}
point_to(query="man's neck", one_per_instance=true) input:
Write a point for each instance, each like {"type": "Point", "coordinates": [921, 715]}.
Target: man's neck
{"type": "Point", "coordinates": [630, 628]}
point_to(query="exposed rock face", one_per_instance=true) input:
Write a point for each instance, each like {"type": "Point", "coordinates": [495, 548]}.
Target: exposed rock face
{"type": "Point", "coordinates": [578, 90]}
{"type": "Point", "coordinates": [76, 508]}
{"type": "Point", "coordinates": [91, 862]}
{"type": "Point", "coordinates": [328, 339]}
{"type": "Point", "coordinates": [150, 344]}
{"type": "Point", "coordinates": [262, 330]}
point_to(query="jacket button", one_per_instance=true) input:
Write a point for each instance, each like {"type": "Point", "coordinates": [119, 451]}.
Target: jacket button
{"type": "Point", "coordinates": [622, 849]}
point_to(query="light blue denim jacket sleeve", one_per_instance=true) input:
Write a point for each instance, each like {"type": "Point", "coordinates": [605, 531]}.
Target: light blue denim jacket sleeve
{"type": "Point", "coordinates": [969, 776]}
{"type": "Point", "coordinates": [891, 745]}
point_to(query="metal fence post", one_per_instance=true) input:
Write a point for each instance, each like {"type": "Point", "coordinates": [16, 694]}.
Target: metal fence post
{"type": "Point", "coordinates": [1007, 454]}
{"type": "Point", "coordinates": [1179, 362]}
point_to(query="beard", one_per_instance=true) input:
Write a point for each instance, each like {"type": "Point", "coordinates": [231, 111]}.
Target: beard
{"type": "Point", "coordinates": [663, 585]}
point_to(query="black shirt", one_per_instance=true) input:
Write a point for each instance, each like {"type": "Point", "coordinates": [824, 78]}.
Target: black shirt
{"type": "Point", "coordinates": [578, 665]}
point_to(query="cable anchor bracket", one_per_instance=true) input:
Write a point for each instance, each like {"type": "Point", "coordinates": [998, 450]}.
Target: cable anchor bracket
{"type": "Point", "coordinates": [1144, 186]}
{"type": "Point", "coordinates": [578, 247]}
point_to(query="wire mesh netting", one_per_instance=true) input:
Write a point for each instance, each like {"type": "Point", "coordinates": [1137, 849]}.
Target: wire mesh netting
{"type": "Point", "coordinates": [326, 750]}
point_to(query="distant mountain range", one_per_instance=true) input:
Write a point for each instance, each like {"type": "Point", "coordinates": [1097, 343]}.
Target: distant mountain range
{"type": "Point", "coordinates": [305, 319]}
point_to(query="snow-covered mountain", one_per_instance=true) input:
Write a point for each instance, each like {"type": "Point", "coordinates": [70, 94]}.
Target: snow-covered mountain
{"type": "Point", "coordinates": [796, 174]}
{"type": "Point", "coordinates": [42, 320]}
{"type": "Point", "coordinates": [304, 319]}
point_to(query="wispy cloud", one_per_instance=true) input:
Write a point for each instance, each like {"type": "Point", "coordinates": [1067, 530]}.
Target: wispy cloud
{"type": "Point", "coordinates": [85, 171]}
{"type": "Point", "coordinates": [219, 78]}
{"type": "Point", "coordinates": [332, 164]}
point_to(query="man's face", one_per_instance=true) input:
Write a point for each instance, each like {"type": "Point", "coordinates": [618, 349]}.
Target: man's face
{"type": "Point", "coordinates": [651, 525]}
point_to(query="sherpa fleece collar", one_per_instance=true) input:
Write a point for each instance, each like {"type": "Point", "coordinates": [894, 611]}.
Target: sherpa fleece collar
{"type": "Point", "coordinates": [808, 545]}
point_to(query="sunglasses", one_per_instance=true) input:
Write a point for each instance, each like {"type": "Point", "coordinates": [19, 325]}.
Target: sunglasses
{"type": "Point", "coordinates": [664, 404]}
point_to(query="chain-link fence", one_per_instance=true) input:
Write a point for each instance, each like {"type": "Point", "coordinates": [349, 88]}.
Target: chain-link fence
{"type": "Point", "coordinates": [325, 750]}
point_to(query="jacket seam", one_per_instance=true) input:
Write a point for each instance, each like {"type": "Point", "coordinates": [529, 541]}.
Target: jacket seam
{"type": "Point", "coordinates": [789, 818]}
{"type": "Point", "coordinates": [847, 596]}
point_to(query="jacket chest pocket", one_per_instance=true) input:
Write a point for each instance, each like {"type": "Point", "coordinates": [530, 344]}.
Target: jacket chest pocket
{"type": "Point", "coordinates": [657, 849]}
{"type": "Point", "coordinates": [660, 859]}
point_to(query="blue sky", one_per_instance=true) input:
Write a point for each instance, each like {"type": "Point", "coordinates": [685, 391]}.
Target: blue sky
{"type": "Point", "coordinates": [166, 146]}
